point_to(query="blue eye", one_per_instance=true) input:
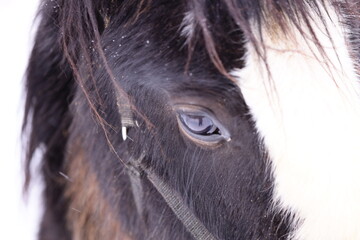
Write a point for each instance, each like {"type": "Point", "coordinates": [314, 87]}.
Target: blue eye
{"type": "Point", "coordinates": [200, 125]}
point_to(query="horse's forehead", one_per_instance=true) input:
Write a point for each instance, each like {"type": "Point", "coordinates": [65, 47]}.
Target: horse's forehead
{"type": "Point", "coordinates": [306, 108]}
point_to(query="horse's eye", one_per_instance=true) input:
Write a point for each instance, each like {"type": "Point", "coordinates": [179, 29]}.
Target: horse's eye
{"type": "Point", "coordinates": [201, 126]}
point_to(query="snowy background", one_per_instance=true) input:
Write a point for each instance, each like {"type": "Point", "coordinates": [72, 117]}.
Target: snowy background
{"type": "Point", "coordinates": [18, 220]}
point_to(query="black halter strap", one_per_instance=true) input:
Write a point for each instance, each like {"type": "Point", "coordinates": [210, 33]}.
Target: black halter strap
{"type": "Point", "coordinates": [136, 170]}
{"type": "Point", "coordinates": [193, 225]}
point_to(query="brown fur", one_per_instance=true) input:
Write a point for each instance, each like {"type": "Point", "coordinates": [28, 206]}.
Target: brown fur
{"type": "Point", "coordinates": [88, 208]}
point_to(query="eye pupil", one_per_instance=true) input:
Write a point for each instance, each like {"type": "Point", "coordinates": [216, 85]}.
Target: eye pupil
{"type": "Point", "coordinates": [198, 124]}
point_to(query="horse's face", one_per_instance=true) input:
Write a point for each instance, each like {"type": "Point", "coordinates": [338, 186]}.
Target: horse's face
{"type": "Point", "coordinates": [192, 125]}
{"type": "Point", "coordinates": [230, 107]}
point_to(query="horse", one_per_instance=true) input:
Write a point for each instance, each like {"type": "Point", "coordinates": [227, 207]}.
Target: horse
{"type": "Point", "coordinates": [169, 119]}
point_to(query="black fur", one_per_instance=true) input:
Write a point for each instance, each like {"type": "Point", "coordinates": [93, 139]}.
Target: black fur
{"type": "Point", "coordinates": [84, 48]}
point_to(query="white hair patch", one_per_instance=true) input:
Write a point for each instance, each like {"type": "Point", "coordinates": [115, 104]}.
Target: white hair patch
{"type": "Point", "coordinates": [188, 25]}
{"type": "Point", "coordinates": [307, 111]}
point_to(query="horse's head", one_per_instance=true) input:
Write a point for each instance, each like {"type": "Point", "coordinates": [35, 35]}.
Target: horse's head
{"type": "Point", "coordinates": [197, 120]}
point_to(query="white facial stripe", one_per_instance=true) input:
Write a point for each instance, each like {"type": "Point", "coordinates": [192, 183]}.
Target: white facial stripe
{"type": "Point", "coordinates": [309, 119]}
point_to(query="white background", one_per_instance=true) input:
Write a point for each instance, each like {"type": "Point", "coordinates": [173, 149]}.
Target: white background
{"type": "Point", "coordinates": [18, 221]}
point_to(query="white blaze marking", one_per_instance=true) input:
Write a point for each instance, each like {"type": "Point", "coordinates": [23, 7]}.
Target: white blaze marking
{"type": "Point", "coordinates": [309, 119]}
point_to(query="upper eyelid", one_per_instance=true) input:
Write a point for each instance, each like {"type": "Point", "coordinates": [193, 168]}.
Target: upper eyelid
{"type": "Point", "coordinates": [192, 108]}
